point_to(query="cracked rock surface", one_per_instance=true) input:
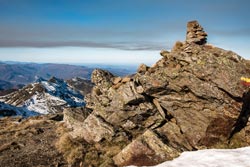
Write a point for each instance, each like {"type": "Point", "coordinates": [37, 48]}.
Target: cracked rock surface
{"type": "Point", "coordinates": [190, 99]}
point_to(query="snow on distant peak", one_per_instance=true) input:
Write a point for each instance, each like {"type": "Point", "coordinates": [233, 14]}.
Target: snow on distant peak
{"type": "Point", "coordinates": [59, 88]}
{"type": "Point", "coordinates": [56, 96]}
{"type": "Point", "coordinates": [211, 158]}
{"type": "Point", "coordinates": [45, 96]}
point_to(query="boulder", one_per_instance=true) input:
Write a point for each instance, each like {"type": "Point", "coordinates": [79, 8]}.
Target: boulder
{"type": "Point", "coordinates": [94, 129]}
{"type": "Point", "coordinates": [102, 78]}
{"type": "Point", "coordinates": [148, 149]}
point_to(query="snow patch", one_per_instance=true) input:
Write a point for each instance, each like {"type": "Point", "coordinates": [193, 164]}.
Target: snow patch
{"type": "Point", "coordinates": [43, 103]}
{"type": "Point", "coordinates": [211, 158]}
{"type": "Point", "coordinates": [48, 86]}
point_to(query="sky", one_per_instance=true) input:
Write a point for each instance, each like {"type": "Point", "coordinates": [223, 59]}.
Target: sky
{"type": "Point", "coordinates": [115, 31]}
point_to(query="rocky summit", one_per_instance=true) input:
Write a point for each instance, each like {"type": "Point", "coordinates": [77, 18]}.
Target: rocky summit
{"type": "Point", "coordinates": [190, 99]}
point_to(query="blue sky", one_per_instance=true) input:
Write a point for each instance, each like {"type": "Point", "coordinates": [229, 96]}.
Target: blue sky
{"type": "Point", "coordinates": [115, 31]}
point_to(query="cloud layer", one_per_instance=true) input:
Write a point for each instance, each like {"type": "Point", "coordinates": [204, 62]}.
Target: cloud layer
{"type": "Point", "coordinates": [49, 44]}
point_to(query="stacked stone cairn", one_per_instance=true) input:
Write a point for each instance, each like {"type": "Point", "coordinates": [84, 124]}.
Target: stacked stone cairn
{"type": "Point", "coordinates": [195, 33]}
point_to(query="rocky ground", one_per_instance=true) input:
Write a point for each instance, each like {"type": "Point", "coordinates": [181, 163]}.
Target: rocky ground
{"type": "Point", "coordinates": [190, 99]}
{"type": "Point", "coordinates": [30, 142]}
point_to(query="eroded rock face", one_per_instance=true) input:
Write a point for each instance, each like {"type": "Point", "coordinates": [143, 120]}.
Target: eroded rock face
{"type": "Point", "coordinates": [190, 99]}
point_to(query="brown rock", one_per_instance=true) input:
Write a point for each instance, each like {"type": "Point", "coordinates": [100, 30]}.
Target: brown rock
{"type": "Point", "coordinates": [94, 129]}
{"type": "Point", "coordinates": [126, 79]}
{"type": "Point", "coordinates": [159, 108]}
{"type": "Point", "coordinates": [74, 119]}
{"type": "Point", "coordinates": [102, 79]}
{"type": "Point", "coordinates": [147, 149]}
{"type": "Point", "coordinates": [128, 94]}
{"type": "Point", "coordinates": [117, 80]}
{"type": "Point", "coordinates": [164, 53]}
{"type": "Point", "coordinates": [190, 99]}
{"type": "Point", "coordinates": [142, 68]}
{"type": "Point", "coordinates": [139, 89]}
{"type": "Point", "coordinates": [172, 133]}
{"type": "Point", "coordinates": [117, 85]}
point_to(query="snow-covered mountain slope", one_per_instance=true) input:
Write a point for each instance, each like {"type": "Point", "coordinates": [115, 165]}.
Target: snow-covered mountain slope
{"type": "Point", "coordinates": [211, 158]}
{"type": "Point", "coordinates": [45, 96]}
{"type": "Point", "coordinates": [9, 110]}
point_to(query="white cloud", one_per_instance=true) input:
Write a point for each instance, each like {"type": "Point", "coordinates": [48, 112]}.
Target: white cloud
{"type": "Point", "coordinates": [79, 55]}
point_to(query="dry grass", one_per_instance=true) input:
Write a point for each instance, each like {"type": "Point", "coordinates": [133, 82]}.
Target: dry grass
{"type": "Point", "coordinates": [71, 149]}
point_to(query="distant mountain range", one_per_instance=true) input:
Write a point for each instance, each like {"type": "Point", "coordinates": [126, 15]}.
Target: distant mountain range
{"type": "Point", "coordinates": [16, 75]}
{"type": "Point", "coordinates": [27, 73]}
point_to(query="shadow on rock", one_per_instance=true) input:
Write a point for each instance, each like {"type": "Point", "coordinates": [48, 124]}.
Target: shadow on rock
{"type": "Point", "coordinates": [244, 115]}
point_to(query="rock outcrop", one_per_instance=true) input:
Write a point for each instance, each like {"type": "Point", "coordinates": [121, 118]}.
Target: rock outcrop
{"type": "Point", "coordinates": [190, 99]}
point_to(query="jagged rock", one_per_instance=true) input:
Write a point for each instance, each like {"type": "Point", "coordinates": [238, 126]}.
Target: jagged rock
{"type": "Point", "coordinates": [177, 47]}
{"type": "Point", "coordinates": [142, 68]}
{"type": "Point", "coordinates": [148, 149]}
{"type": "Point", "coordinates": [129, 94]}
{"type": "Point", "coordinates": [94, 129]}
{"type": "Point", "coordinates": [190, 99]}
{"type": "Point", "coordinates": [117, 85]}
{"type": "Point", "coordinates": [126, 79]}
{"type": "Point", "coordinates": [129, 125]}
{"type": "Point", "coordinates": [139, 89]}
{"type": "Point", "coordinates": [172, 133]}
{"type": "Point", "coordinates": [74, 119]}
{"type": "Point", "coordinates": [102, 78]}
{"type": "Point", "coordinates": [164, 53]}
{"type": "Point", "coordinates": [159, 108]}
{"type": "Point", "coordinates": [153, 84]}
{"type": "Point", "coordinates": [117, 80]}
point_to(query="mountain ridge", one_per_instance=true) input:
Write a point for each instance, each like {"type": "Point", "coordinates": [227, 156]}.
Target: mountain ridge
{"type": "Point", "coordinates": [45, 96]}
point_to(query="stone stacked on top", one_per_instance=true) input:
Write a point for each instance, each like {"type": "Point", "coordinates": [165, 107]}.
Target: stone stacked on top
{"type": "Point", "coordinates": [195, 33]}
